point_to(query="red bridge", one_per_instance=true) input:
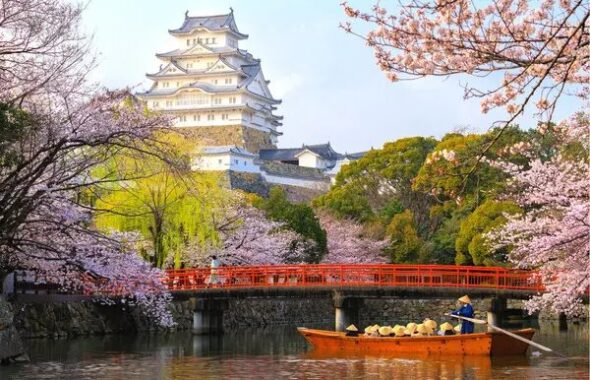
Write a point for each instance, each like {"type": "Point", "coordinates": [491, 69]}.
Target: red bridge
{"type": "Point", "coordinates": [348, 285]}
{"type": "Point", "coordinates": [353, 276]}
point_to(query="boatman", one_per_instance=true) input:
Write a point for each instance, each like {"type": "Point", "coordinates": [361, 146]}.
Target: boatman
{"type": "Point", "coordinates": [466, 310]}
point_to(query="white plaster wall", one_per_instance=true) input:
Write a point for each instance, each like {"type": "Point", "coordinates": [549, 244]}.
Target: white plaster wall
{"type": "Point", "coordinates": [307, 183]}
{"type": "Point", "coordinates": [309, 160]}
{"type": "Point", "coordinates": [224, 162]}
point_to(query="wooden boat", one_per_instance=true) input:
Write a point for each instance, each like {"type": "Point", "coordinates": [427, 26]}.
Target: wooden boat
{"type": "Point", "coordinates": [468, 344]}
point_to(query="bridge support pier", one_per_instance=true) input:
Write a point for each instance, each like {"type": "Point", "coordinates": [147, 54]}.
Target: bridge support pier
{"type": "Point", "coordinates": [496, 312]}
{"type": "Point", "coordinates": [346, 310]}
{"type": "Point", "coordinates": [208, 315]}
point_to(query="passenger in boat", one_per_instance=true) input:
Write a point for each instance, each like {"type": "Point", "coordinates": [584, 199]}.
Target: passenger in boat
{"type": "Point", "coordinates": [466, 310]}
{"type": "Point", "coordinates": [385, 331]}
{"type": "Point", "coordinates": [422, 330]}
{"type": "Point", "coordinates": [430, 324]}
{"type": "Point", "coordinates": [410, 329]}
{"type": "Point", "coordinates": [399, 331]}
{"type": "Point", "coordinates": [446, 329]}
{"type": "Point", "coordinates": [352, 331]}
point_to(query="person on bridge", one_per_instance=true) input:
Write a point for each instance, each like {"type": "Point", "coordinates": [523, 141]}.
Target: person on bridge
{"type": "Point", "coordinates": [213, 274]}
{"type": "Point", "coordinates": [466, 310]}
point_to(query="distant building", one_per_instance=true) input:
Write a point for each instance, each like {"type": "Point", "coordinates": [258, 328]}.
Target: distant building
{"type": "Point", "coordinates": [219, 91]}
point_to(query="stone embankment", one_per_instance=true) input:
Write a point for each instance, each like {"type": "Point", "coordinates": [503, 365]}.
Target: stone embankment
{"type": "Point", "coordinates": [11, 346]}
{"type": "Point", "coordinates": [81, 318]}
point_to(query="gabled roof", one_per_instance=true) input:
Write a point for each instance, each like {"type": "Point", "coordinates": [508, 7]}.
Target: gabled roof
{"type": "Point", "coordinates": [164, 70]}
{"type": "Point", "coordinates": [325, 151]}
{"type": "Point", "coordinates": [226, 149]}
{"type": "Point", "coordinates": [215, 23]}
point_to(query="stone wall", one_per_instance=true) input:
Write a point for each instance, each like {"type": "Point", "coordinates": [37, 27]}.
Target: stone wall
{"type": "Point", "coordinates": [11, 346]}
{"type": "Point", "coordinates": [226, 135]}
{"type": "Point", "coordinates": [254, 140]}
{"type": "Point", "coordinates": [55, 320]}
{"type": "Point", "coordinates": [251, 139]}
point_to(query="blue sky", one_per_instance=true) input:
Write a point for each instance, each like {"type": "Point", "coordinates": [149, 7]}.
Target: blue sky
{"type": "Point", "coordinates": [328, 81]}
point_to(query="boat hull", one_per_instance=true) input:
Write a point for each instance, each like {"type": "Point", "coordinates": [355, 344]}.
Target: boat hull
{"type": "Point", "coordinates": [332, 342]}
{"type": "Point", "coordinates": [503, 344]}
{"type": "Point", "coordinates": [337, 342]}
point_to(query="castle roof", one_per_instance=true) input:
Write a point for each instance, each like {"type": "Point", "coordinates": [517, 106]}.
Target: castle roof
{"type": "Point", "coordinates": [226, 149]}
{"type": "Point", "coordinates": [225, 22]}
{"type": "Point", "coordinates": [325, 151]}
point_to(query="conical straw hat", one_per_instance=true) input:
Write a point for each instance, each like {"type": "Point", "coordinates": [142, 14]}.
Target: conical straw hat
{"type": "Point", "coordinates": [368, 329]}
{"type": "Point", "coordinates": [410, 329]}
{"type": "Point", "coordinates": [430, 324]}
{"type": "Point", "coordinates": [385, 331]}
{"type": "Point", "coordinates": [457, 328]}
{"type": "Point", "coordinates": [399, 330]}
{"type": "Point", "coordinates": [465, 299]}
{"type": "Point", "coordinates": [352, 328]}
{"type": "Point", "coordinates": [421, 329]}
{"type": "Point", "coordinates": [397, 326]}
{"type": "Point", "coordinates": [409, 325]}
{"type": "Point", "coordinates": [446, 326]}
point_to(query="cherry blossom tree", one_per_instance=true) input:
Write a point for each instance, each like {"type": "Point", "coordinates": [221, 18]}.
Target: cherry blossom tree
{"type": "Point", "coordinates": [348, 243]}
{"type": "Point", "coordinates": [537, 51]}
{"type": "Point", "coordinates": [554, 235]}
{"type": "Point", "coordinates": [249, 238]}
{"type": "Point", "coordinates": [54, 128]}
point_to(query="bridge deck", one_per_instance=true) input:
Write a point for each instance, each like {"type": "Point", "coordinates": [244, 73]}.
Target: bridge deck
{"type": "Point", "coordinates": [291, 279]}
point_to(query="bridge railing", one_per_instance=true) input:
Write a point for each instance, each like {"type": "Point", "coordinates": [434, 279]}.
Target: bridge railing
{"type": "Point", "coordinates": [352, 275]}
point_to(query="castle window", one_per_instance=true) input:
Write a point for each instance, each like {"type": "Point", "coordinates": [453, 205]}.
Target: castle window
{"type": "Point", "coordinates": [236, 161]}
{"type": "Point", "coordinates": [219, 161]}
{"type": "Point", "coordinates": [215, 81]}
{"type": "Point", "coordinates": [196, 117]}
{"type": "Point", "coordinates": [177, 84]}
{"type": "Point", "coordinates": [232, 100]}
{"type": "Point", "coordinates": [182, 118]}
{"type": "Point", "coordinates": [217, 101]}
{"type": "Point", "coordinates": [244, 162]}
{"type": "Point", "coordinates": [199, 40]}
{"type": "Point", "coordinates": [224, 116]}
{"type": "Point", "coordinates": [188, 42]}
{"type": "Point", "coordinates": [211, 117]}
{"type": "Point", "coordinates": [209, 64]}
{"type": "Point", "coordinates": [206, 41]}
{"type": "Point", "coordinates": [194, 41]}
{"type": "Point", "coordinates": [228, 80]}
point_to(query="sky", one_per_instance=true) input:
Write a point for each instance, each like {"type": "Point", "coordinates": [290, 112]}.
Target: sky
{"type": "Point", "coordinates": [331, 89]}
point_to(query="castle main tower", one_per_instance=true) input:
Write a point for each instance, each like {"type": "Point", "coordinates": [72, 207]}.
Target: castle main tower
{"type": "Point", "coordinates": [214, 87]}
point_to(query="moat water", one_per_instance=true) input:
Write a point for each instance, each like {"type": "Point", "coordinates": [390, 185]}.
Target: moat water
{"type": "Point", "coordinates": [280, 353]}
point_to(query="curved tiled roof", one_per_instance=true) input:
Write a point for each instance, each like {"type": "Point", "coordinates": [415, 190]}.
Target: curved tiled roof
{"type": "Point", "coordinates": [211, 23]}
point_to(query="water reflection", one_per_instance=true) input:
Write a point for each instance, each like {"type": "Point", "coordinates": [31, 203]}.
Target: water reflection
{"type": "Point", "coordinates": [275, 353]}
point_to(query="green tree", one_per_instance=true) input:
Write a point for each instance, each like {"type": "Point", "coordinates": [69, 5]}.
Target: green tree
{"type": "Point", "coordinates": [299, 218]}
{"type": "Point", "coordinates": [168, 204]}
{"type": "Point", "coordinates": [365, 187]}
{"type": "Point", "coordinates": [406, 245]}
{"type": "Point", "coordinates": [471, 245]}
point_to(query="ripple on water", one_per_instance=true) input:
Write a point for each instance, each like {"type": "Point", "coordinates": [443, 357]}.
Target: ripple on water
{"type": "Point", "coordinates": [278, 353]}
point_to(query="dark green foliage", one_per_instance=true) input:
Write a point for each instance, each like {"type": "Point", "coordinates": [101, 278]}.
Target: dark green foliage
{"type": "Point", "coordinates": [471, 244]}
{"type": "Point", "coordinates": [299, 218]}
{"type": "Point", "coordinates": [15, 126]}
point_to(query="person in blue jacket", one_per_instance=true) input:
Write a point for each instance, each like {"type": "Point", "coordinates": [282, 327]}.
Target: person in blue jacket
{"type": "Point", "coordinates": [466, 310]}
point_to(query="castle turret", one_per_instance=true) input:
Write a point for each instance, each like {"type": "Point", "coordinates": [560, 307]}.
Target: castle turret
{"type": "Point", "coordinates": [214, 87]}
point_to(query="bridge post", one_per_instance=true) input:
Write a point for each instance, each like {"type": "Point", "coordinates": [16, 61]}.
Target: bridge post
{"type": "Point", "coordinates": [208, 315]}
{"type": "Point", "coordinates": [496, 312]}
{"type": "Point", "coordinates": [346, 310]}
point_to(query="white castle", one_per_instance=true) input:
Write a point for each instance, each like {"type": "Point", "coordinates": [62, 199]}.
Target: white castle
{"type": "Point", "coordinates": [219, 91]}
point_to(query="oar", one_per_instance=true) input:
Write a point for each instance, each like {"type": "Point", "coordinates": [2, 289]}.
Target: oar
{"type": "Point", "coordinates": [518, 337]}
